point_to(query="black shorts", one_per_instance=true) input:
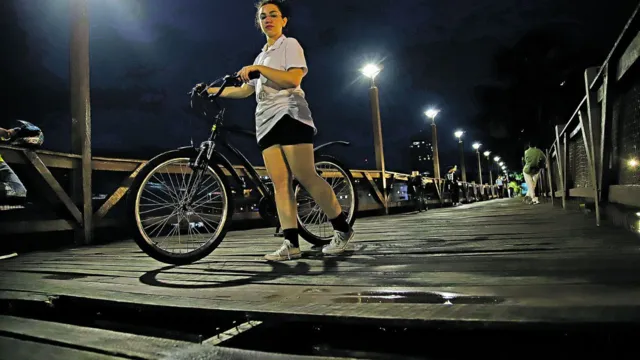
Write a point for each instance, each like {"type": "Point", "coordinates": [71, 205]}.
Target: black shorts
{"type": "Point", "coordinates": [287, 131]}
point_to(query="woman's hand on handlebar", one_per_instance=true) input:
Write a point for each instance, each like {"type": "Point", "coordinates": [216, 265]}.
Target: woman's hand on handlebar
{"type": "Point", "coordinates": [249, 72]}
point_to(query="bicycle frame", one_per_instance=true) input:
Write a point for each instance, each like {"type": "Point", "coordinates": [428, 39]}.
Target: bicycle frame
{"type": "Point", "coordinates": [211, 153]}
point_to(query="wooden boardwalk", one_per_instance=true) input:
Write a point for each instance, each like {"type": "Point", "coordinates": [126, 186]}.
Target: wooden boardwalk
{"type": "Point", "coordinates": [495, 262]}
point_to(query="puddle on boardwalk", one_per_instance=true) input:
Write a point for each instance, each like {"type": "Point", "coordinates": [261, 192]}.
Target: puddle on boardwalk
{"type": "Point", "coordinates": [64, 276]}
{"type": "Point", "coordinates": [414, 298]}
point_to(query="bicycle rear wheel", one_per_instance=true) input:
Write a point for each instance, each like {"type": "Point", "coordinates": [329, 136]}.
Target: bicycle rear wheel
{"type": "Point", "coordinates": [179, 214]}
{"type": "Point", "coordinates": [313, 224]}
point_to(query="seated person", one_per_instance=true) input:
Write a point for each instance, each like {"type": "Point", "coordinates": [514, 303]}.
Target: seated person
{"type": "Point", "coordinates": [11, 188]}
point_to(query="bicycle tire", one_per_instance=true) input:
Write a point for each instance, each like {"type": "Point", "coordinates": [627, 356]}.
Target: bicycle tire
{"type": "Point", "coordinates": [132, 205]}
{"type": "Point", "coordinates": [351, 218]}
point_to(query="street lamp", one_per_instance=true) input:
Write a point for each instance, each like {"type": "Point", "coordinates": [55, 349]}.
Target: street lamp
{"type": "Point", "coordinates": [501, 163]}
{"type": "Point", "coordinates": [458, 134]}
{"type": "Point", "coordinates": [431, 114]}
{"type": "Point", "coordinates": [496, 159]}
{"type": "Point", "coordinates": [477, 146]}
{"type": "Point", "coordinates": [487, 155]}
{"type": "Point", "coordinates": [371, 71]}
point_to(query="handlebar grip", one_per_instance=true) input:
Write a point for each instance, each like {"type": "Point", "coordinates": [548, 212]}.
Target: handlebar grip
{"type": "Point", "coordinates": [254, 75]}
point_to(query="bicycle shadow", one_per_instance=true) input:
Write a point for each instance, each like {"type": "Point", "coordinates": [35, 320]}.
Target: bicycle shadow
{"type": "Point", "coordinates": [278, 270]}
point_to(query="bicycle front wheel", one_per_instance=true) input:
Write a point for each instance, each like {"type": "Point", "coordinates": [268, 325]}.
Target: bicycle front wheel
{"type": "Point", "coordinates": [181, 214]}
{"type": "Point", "coordinates": [313, 224]}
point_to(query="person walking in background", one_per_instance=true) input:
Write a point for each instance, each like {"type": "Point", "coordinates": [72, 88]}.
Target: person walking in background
{"type": "Point", "coordinates": [534, 161]}
{"type": "Point", "coordinates": [500, 186]}
{"type": "Point", "coordinates": [416, 187]}
{"type": "Point", "coordinates": [452, 185]}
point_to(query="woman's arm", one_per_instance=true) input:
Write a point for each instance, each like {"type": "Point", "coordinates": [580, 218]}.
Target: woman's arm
{"type": "Point", "coordinates": [285, 79]}
{"type": "Point", "coordinates": [242, 92]}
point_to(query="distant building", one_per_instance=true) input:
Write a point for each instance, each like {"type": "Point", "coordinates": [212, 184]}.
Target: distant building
{"type": "Point", "coordinates": [421, 155]}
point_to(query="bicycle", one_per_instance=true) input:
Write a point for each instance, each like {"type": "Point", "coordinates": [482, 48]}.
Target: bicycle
{"type": "Point", "coordinates": [191, 212]}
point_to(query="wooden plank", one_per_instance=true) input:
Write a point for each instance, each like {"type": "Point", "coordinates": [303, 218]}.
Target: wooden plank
{"type": "Point", "coordinates": [625, 194]}
{"type": "Point", "coordinates": [54, 185]}
{"type": "Point", "coordinates": [89, 339]}
{"type": "Point", "coordinates": [541, 263]}
{"type": "Point", "coordinates": [116, 196]}
{"type": "Point", "coordinates": [42, 226]}
{"type": "Point", "coordinates": [15, 349]}
{"type": "Point", "coordinates": [582, 193]}
{"type": "Point", "coordinates": [629, 57]}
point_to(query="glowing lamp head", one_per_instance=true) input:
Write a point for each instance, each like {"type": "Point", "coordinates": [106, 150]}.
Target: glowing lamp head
{"type": "Point", "coordinates": [633, 163]}
{"type": "Point", "coordinates": [458, 134]}
{"type": "Point", "coordinates": [476, 146]}
{"type": "Point", "coordinates": [371, 70]}
{"type": "Point", "coordinates": [432, 113]}
{"type": "Point", "coordinates": [487, 153]}
{"type": "Point", "coordinates": [496, 159]}
{"type": "Point", "coordinates": [501, 163]}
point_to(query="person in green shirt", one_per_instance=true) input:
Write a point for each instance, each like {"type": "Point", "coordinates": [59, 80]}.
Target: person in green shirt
{"type": "Point", "coordinates": [534, 161]}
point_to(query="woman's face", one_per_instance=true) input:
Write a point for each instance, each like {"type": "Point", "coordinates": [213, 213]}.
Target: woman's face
{"type": "Point", "coordinates": [271, 20]}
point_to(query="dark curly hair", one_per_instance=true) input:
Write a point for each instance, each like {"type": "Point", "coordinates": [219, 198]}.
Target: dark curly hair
{"type": "Point", "coordinates": [282, 5]}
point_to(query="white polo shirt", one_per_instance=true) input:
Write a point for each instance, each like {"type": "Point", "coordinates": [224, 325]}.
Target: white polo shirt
{"type": "Point", "coordinates": [274, 101]}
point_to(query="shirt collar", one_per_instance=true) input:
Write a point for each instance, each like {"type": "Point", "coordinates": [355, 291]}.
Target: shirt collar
{"type": "Point", "coordinates": [276, 44]}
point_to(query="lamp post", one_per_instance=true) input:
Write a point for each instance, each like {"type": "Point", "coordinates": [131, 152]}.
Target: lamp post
{"type": "Point", "coordinates": [487, 154]}
{"type": "Point", "coordinates": [371, 71]}
{"type": "Point", "coordinates": [459, 134]}
{"type": "Point", "coordinates": [496, 159]}
{"type": "Point", "coordinates": [79, 80]}
{"type": "Point", "coordinates": [476, 147]}
{"type": "Point", "coordinates": [431, 114]}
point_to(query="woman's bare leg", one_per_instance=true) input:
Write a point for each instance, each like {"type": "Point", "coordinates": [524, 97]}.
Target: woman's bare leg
{"type": "Point", "coordinates": [281, 177]}
{"type": "Point", "coordinates": [302, 164]}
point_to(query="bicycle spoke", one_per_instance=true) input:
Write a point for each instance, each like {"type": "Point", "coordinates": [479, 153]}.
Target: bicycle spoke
{"type": "Point", "coordinates": [311, 216]}
{"type": "Point", "coordinates": [195, 199]}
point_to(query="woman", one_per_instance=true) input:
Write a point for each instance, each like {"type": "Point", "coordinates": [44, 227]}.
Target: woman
{"type": "Point", "coordinates": [285, 130]}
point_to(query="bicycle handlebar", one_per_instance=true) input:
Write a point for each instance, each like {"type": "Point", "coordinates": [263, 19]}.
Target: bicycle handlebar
{"type": "Point", "coordinates": [228, 80]}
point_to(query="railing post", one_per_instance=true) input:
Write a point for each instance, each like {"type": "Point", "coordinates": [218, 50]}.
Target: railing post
{"type": "Point", "coordinates": [561, 159]}
{"type": "Point", "coordinates": [549, 177]}
{"type": "Point", "coordinates": [595, 125]}
{"type": "Point", "coordinates": [81, 115]}
{"type": "Point", "coordinates": [377, 140]}
{"type": "Point", "coordinates": [610, 161]}
{"type": "Point", "coordinates": [588, 145]}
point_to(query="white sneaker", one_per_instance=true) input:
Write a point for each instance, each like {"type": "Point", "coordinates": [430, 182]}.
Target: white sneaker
{"type": "Point", "coordinates": [338, 243]}
{"type": "Point", "coordinates": [286, 252]}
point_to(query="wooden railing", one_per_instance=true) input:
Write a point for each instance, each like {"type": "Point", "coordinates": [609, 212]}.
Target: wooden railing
{"type": "Point", "coordinates": [37, 168]}
{"type": "Point", "coordinates": [594, 155]}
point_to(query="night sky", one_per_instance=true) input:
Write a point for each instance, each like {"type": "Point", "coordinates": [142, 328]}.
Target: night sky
{"type": "Point", "coordinates": [145, 56]}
